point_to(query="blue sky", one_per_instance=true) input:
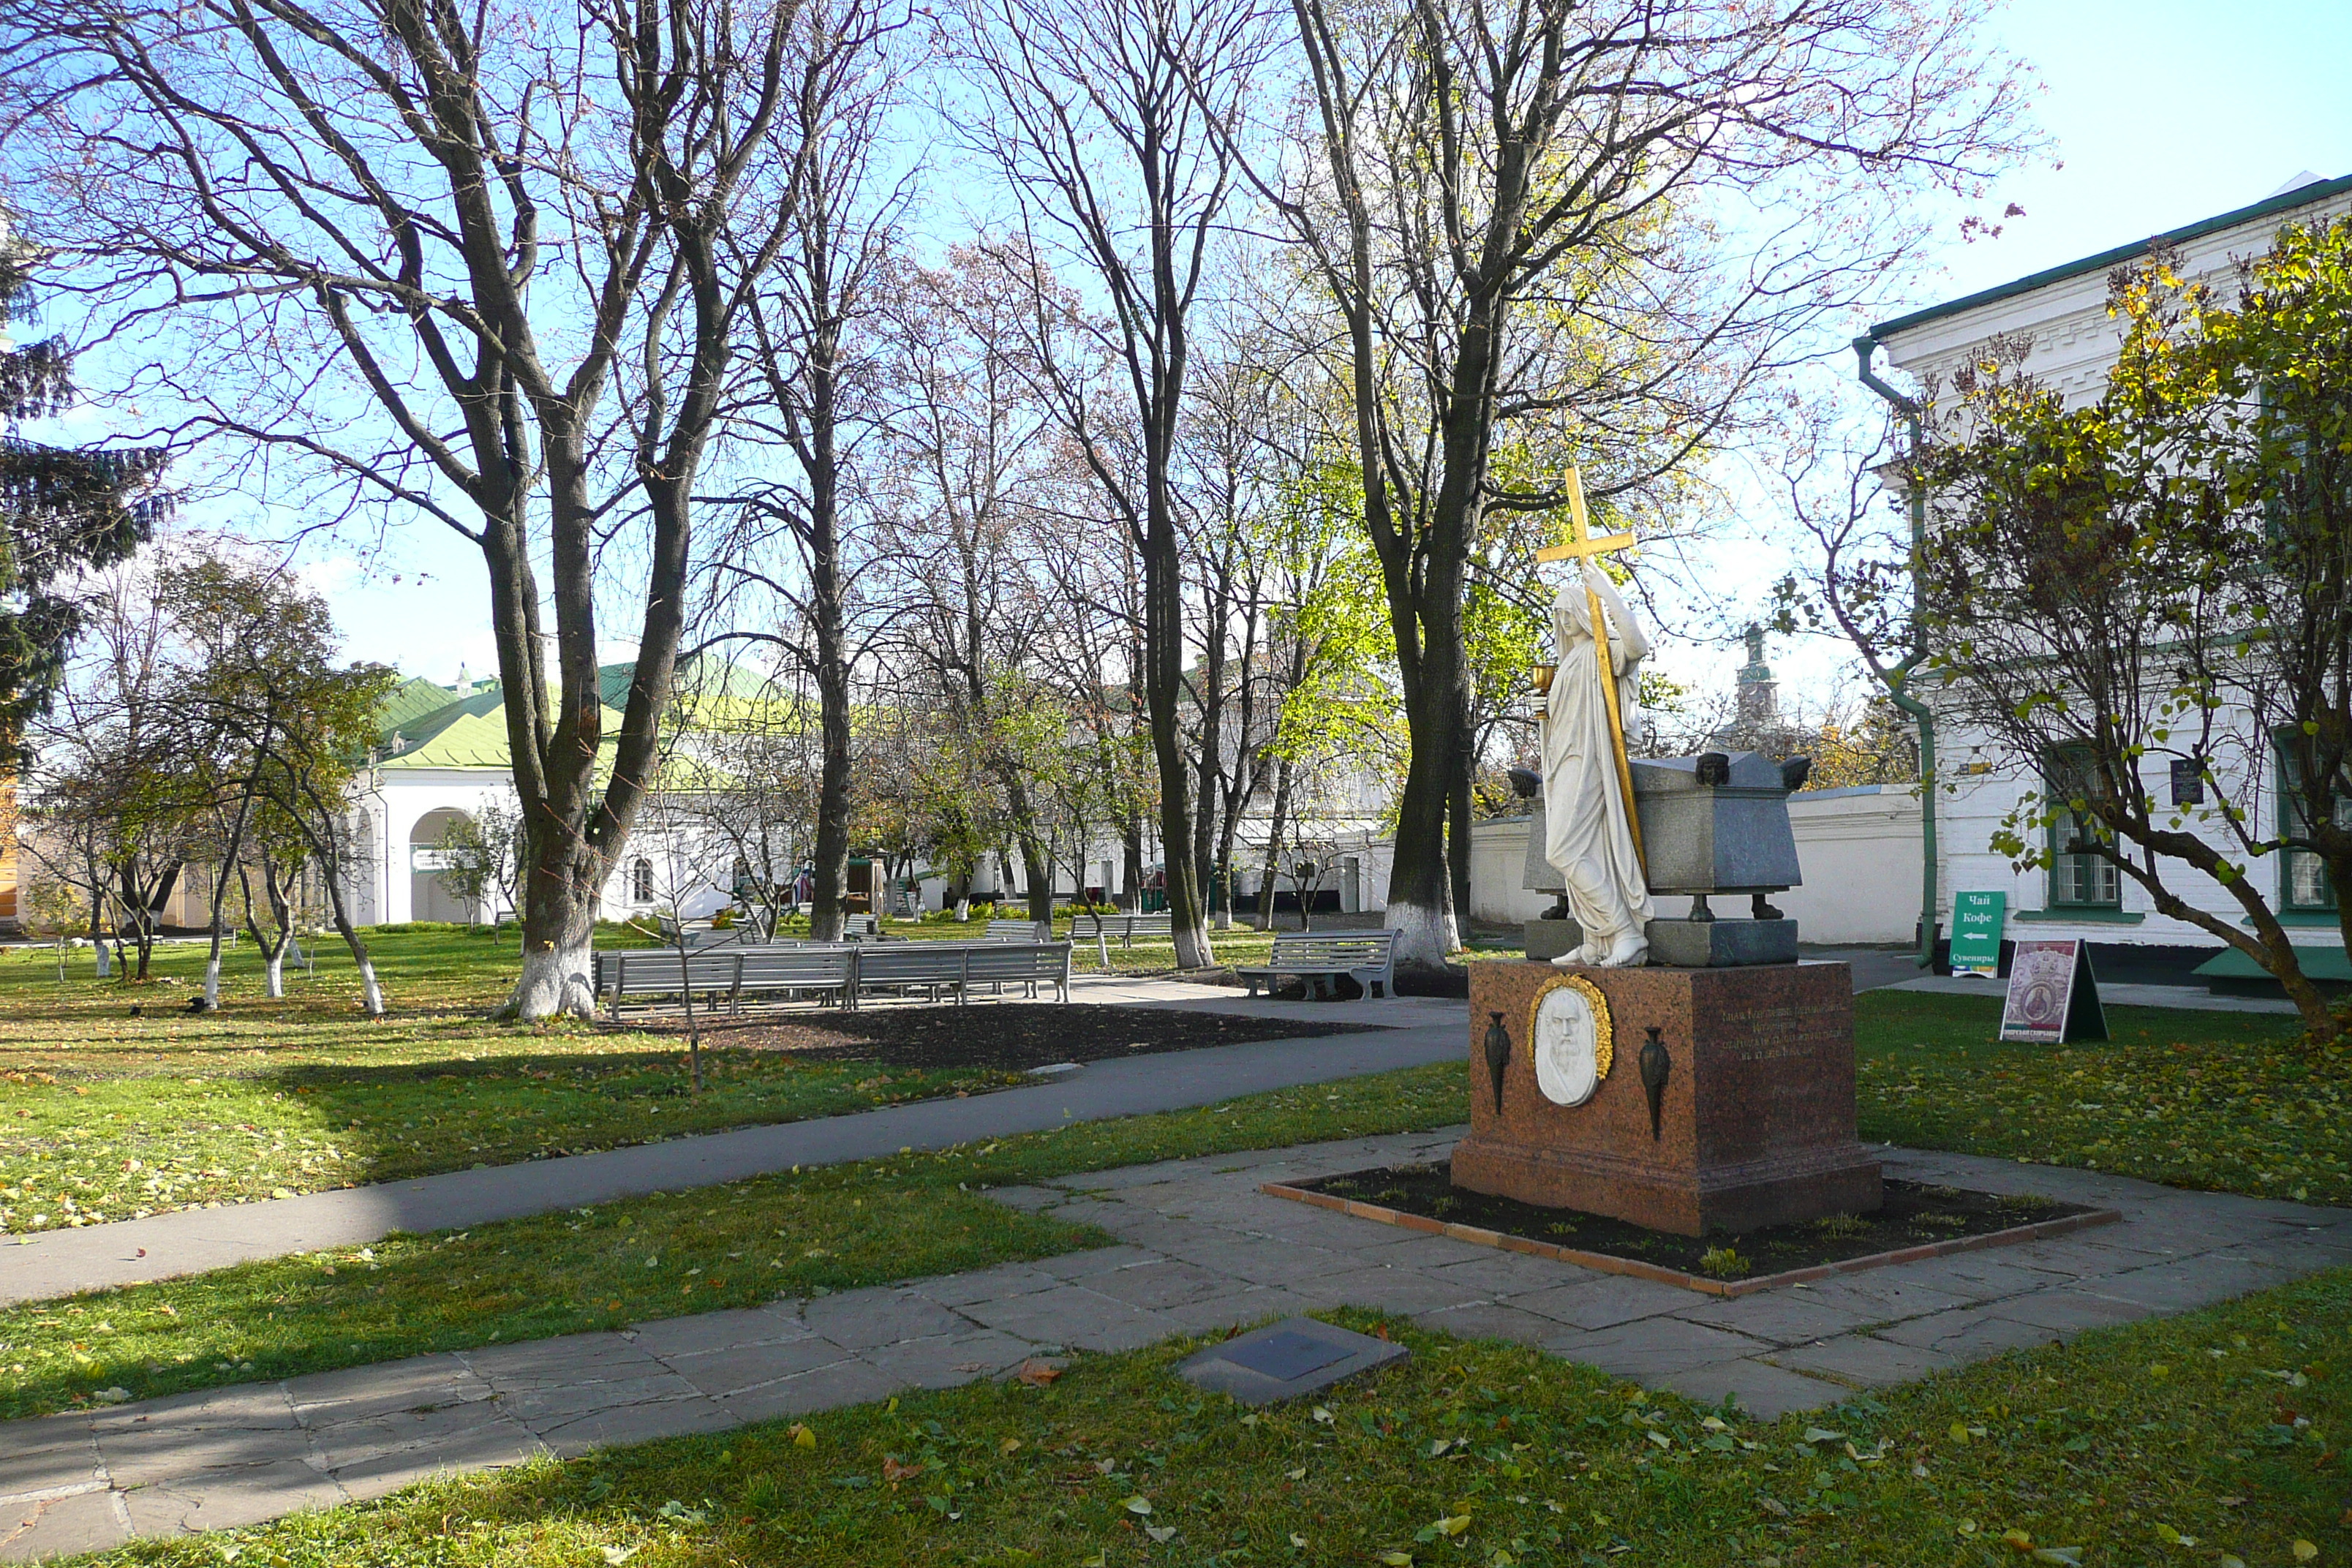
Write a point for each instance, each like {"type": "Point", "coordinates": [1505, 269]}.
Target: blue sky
{"type": "Point", "coordinates": [2161, 112]}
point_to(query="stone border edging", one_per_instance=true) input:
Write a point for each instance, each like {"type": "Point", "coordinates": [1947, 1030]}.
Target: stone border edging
{"type": "Point", "coordinates": [1608, 1263]}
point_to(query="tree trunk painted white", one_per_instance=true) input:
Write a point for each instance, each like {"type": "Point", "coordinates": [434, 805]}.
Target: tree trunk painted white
{"type": "Point", "coordinates": [212, 977]}
{"type": "Point", "coordinates": [1425, 936]}
{"type": "Point", "coordinates": [369, 990]}
{"type": "Point", "coordinates": [273, 975]}
{"type": "Point", "coordinates": [104, 968]}
{"type": "Point", "coordinates": [555, 981]}
{"type": "Point", "coordinates": [963, 909]}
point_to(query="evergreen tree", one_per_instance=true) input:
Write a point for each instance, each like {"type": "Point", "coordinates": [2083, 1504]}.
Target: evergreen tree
{"type": "Point", "coordinates": [62, 510]}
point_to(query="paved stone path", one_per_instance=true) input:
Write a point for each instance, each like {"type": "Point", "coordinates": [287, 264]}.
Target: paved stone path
{"type": "Point", "coordinates": [52, 1263]}
{"type": "Point", "coordinates": [1200, 1250]}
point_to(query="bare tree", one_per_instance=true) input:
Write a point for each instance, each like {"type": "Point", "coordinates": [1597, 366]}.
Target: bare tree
{"type": "Point", "coordinates": [1484, 178]}
{"type": "Point", "coordinates": [811, 390]}
{"type": "Point", "coordinates": [486, 266]}
{"type": "Point", "coordinates": [1099, 122]}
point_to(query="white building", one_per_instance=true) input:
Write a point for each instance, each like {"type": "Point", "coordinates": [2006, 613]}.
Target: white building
{"type": "Point", "coordinates": [2073, 344]}
{"type": "Point", "coordinates": [442, 755]}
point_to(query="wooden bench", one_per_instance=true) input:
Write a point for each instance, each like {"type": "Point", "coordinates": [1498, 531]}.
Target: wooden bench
{"type": "Point", "coordinates": [1127, 928]}
{"type": "Point", "coordinates": [1020, 931]}
{"type": "Point", "coordinates": [1318, 958]}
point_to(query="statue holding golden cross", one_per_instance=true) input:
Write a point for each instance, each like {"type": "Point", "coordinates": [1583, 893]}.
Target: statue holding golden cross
{"type": "Point", "coordinates": [1583, 546]}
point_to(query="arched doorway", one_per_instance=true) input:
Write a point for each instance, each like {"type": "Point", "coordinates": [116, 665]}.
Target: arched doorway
{"type": "Point", "coordinates": [429, 897]}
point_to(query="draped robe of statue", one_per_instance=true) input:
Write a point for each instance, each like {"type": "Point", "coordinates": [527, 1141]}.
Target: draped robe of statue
{"type": "Point", "coordinates": [1589, 837]}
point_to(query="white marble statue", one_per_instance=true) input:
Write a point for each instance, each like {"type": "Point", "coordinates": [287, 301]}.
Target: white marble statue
{"type": "Point", "coordinates": [1588, 837]}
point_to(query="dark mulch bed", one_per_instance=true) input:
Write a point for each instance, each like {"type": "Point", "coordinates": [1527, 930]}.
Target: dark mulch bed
{"type": "Point", "coordinates": [1001, 1034]}
{"type": "Point", "coordinates": [1914, 1214]}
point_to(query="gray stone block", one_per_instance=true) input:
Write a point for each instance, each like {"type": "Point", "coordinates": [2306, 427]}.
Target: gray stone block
{"type": "Point", "coordinates": [858, 1319]}
{"type": "Point", "coordinates": [1652, 1348]}
{"type": "Point", "coordinates": [1865, 1361]}
{"type": "Point", "coordinates": [68, 1458]}
{"type": "Point", "coordinates": [723, 1374]}
{"type": "Point", "coordinates": [1076, 1316]}
{"type": "Point", "coordinates": [1605, 1301]}
{"type": "Point", "coordinates": [223, 1502]}
{"type": "Point", "coordinates": [672, 1337]}
{"type": "Point", "coordinates": [1778, 1317]}
{"type": "Point", "coordinates": [1287, 1360]}
{"type": "Point", "coordinates": [826, 1388]}
{"type": "Point", "coordinates": [1722, 943]}
{"type": "Point", "coordinates": [1547, 940]}
{"type": "Point", "coordinates": [623, 1424]}
{"type": "Point", "coordinates": [1763, 1391]}
{"type": "Point", "coordinates": [1488, 1320]}
{"type": "Point", "coordinates": [62, 1526]}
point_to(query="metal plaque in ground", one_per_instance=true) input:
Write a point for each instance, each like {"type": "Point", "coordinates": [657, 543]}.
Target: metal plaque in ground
{"type": "Point", "coordinates": [1295, 1357]}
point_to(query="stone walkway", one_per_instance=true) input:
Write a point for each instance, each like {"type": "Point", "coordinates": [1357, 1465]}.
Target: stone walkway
{"type": "Point", "coordinates": [52, 1263]}
{"type": "Point", "coordinates": [1200, 1250]}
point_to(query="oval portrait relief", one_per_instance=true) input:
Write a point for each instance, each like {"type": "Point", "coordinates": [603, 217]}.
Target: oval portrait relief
{"type": "Point", "coordinates": [1571, 1041]}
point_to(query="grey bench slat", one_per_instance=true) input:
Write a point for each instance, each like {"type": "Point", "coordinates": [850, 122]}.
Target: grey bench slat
{"type": "Point", "coordinates": [1127, 928]}
{"type": "Point", "coordinates": [1369, 957]}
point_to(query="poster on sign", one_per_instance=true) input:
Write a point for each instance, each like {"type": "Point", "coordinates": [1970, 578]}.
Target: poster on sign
{"type": "Point", "coordinates": [2052, 996]}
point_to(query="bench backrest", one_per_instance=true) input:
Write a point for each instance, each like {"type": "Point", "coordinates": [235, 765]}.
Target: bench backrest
{"type": "Point", "coordinates": [1364, 950]}
{"type": "Point", "coordinates": [1019, 930]}
{"type": "Point", "coordinates": [798, 966]}
{"type": "Point", "coordinates": [657, 970]}
{"type": "Point", "coordinates": [1031, 960]}
{"type": "Point", "coordinates": [1129, 925]}
{"type": "Point", "coordinates": [860, 925]}
{"type": "Point", "coordinates": [912, 961]}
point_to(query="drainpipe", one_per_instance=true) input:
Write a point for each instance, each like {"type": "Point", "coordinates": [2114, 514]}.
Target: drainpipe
{"type": "Point", "coordinates": [1898, 676]}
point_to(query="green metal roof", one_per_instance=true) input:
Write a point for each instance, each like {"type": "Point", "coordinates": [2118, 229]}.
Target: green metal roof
{"type": "Point", "coordinates": [441, 728]}
{"type": "Point", "coordinates": [2286, 201]}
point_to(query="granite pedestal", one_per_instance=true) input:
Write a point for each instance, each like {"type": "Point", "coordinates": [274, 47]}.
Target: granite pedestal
{"type": "Point", "coordinates": [1756, 1126]}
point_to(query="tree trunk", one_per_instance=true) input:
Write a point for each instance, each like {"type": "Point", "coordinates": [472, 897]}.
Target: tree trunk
{"type": "Point", "coordinates": [1272, 882]}
{"type": "Point", "coordinates": [1164, 658]}
{"type": "Point", "coordinates": [829, 868]}
{"type": "Point", "coordinates": [1039, 866]}
{"type": "Point", "coordinates": [371, 994]}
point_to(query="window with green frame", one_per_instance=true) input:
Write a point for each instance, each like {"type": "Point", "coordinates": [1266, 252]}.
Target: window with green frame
{"type": "Point", "coordinates": [2303, 876]}
{"type": "Point", "coordinates": [2079, 878]}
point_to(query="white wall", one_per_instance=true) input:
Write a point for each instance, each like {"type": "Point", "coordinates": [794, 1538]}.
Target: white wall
{"type": "Point", "coordinates": [1858, 848]}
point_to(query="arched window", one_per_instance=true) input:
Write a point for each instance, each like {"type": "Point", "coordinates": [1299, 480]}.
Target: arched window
{"type": "Point", "coordinates": [641, 880]}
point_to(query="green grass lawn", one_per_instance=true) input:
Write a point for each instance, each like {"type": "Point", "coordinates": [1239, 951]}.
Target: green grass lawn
{"type": "Point", "coordinates": [104, 1116]}
{"type": "Point", "coordinates": [659, 1257]}
{"type": "Point", "coordinates": [2207, 1439]}
{"type": "Point", "coordinates": [2224, 1102]}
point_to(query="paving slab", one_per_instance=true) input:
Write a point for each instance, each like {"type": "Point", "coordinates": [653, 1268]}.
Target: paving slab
{"type": "Point", "coordinates": [1199, 1249]}
{"type": "Point", "coordinates": [1652, 1349]}
{"type": "Point", "coordinates": [1760, 1389]}
{"type": "Point", "coordinates": [63, 1526]}
{"type": "Point", "coordinates": [1865, 1360]}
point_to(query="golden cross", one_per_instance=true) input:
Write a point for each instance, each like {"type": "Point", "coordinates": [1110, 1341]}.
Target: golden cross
{"type": "Point", "coordinates": [1583, 543]}
{"type": "Point", "coordinates": [1585, 546]}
